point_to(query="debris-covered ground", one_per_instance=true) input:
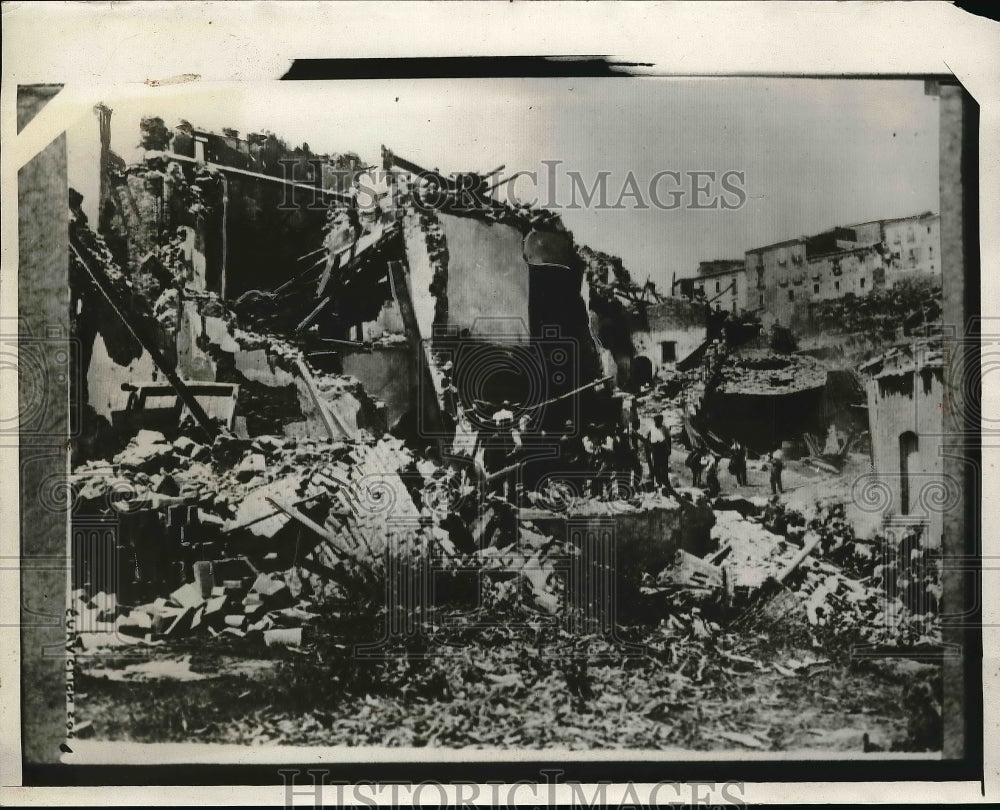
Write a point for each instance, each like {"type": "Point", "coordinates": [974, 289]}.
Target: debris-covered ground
{"type": "Point", "coordinates": [696, 688]}
{"type": "Point", "coordinates": [269, 658]}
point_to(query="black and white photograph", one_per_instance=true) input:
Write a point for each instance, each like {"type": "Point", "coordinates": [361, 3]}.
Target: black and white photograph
{"type": "Point", "coordinates": [537, 410]}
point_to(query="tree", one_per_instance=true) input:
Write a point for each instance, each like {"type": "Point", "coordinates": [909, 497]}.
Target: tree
{"type": "Point", "coordinates": [155, 135]}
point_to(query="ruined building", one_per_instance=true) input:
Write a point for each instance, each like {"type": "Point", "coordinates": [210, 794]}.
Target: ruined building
{"type": "Point", "coordinates": [906, 400]}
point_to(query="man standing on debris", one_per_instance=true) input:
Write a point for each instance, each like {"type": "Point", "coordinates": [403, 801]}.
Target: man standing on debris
{"type": "Point", "coordinates": [777, 464]}
{"type": "Point", "coordinates": [696, 462]}
{"type": "Point", "coordinates": [658, 453]}
{"type": "Point", "coordinates": [627, 466]}
{"type": "Point", "coordinates": [738, 462]}
{"type": "Point", "coordinates": [597, 453]}
{"type": "Point", "coordinates": [518, 453]}
{"type": "Point", "coordinates": [712, 475]}
{"type": "Point", "coordinates": [633, 422]}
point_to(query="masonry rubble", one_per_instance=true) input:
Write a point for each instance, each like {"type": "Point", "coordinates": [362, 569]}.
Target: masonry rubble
{"type": "Point", "coordinates": [252, 534]}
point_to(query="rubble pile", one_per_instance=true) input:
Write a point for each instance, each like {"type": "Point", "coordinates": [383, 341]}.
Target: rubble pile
{"type": "Point", "coordinates": [763, 372]}
{"type": "Point", "coordinates": [880, 314]}
{"type": "Point", "coordinates": [567, 500]}
{"type": "Point", "coordinates": [283, 513]}
{"type": "Point", "coordinates": [890, 597]}
{"type": "Point", "coordinates": [261, 608]}
{"type": "Point", "coordinates": [247, 493]}
{"type": "Point", "coordinates": [278, 383]}
{"type": "Point", "coordinates": [308, 519]}
{"type": "Point", "coordinates": [152, 472]}
{"type": "Point", "coordinates": [754, 555]}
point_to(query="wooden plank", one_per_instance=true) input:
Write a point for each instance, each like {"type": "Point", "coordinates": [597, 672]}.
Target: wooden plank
{"type": "Point", "coordinates": [312, 252]}
{"type": "Point", "coordinates": [797, 560]}
{"type": "Point", "coordinates": [332, 263]}
{"type": "Point", "coordinates": [307, 377]}
{"type": "Point", "coordinates": [307, 321]}
{"type": "Point", "coordinates": [140, 334]}
{"type": "Point", "coordinates": [572, 393]}
{"type": "Point", "coordinates": [328, 538]}
{"type": "Point", "coordinates": [269, 515]}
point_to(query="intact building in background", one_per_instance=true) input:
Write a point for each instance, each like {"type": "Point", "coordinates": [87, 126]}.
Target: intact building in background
{"type": "Point", "coordinates": [913, 246]}
{"type": "Point", "coordinates": [780, 281]}
{"type": "Point", "coordinates": [720, 281]}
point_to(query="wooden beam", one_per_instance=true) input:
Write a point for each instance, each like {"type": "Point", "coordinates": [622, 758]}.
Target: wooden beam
{"type": "Point", "coordinates": [798, 559]}
{"type": "Point", "coordinates": [322, 534]}
{"type": "Point", "coordinates": [334, 426]}
{"type": "Point", "coordinates": [104, 285]}
{"type": "Point", "coordinates": [269, 515]}
{"type": "Point", "coordinates": [312, 316]}
{"type": "Point", "coordinates": [332, 263]}
{"type": "Point", "coordinates": [572, 393]}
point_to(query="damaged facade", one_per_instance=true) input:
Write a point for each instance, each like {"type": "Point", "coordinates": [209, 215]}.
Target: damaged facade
{"type": "Point", "coordinates": [906, 404]}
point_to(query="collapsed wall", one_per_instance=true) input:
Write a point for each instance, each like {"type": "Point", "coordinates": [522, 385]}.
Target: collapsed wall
{"type": "Point", "coordinates": [487, 282]}
{"type": "Point", "coordinates": [274, 396]}
{"type": "Point", "coordinates": [393, 298]}
{"type": "Point", "coordinates": [499, 292]}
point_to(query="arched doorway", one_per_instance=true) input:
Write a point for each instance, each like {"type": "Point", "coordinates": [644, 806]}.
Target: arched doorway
{"type": "Point", "coordinates": [642, 372]}
{"type": "Point", "coordinates": [909, 447]}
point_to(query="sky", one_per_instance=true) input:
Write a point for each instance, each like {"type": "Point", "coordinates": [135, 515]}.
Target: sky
{"type": "Point", "coordinates": [814, 153]}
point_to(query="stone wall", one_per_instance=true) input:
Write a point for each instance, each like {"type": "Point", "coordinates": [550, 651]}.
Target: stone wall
{"type": "Point", "coordinates": [487, 277]}
{"type": "Point", "coordinates": [675, 320]}
{"type": "Point", "coordinates": [909, 401]}
{"type": "Point", "coordinates": [387, 373]}
{"type": "Point", "coordinates": [634, 543]}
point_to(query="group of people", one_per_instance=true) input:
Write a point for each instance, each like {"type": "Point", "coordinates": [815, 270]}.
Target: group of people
{"type": "Point", "coordinates": [703, 463]}
{"type": "Point", "coordinates": [609, 456]}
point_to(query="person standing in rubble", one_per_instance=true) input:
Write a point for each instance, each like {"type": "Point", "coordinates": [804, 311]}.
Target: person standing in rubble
{"type": "Point", "coordinates": [658, 453]}
{"type": "Point", "coordinates": [505, 456]}
{"type": "Point", "coordinates": [696, 463]}
{"type": "Point", "coordinates": [712, 475]}
{"type": "Point", "coordinates": [597, 458]}
{"type": "Point", "coordinates": [627, 466]}
{"type": "Point", "coordinates": [518, 453]}
{"type": "Point", "coordinates": [738, 462]}
{"type": "Point", "coordinates": [634, 423]}
{"type": "Point", "coordinates": [777, 464]}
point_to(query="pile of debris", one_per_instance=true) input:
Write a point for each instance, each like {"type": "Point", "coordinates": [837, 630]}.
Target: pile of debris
{"type": "Point", "coordinates": [756, 371]}
{"type": "Point", "coordinates": [879, 315]}
{"type": "Point", "coordinates": [253, 537]}
{"type": "Point", "coordinates": [780, 563]}
{"type": "Point", "coordinates": [260, 607]}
